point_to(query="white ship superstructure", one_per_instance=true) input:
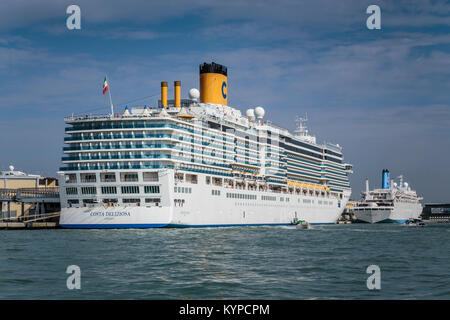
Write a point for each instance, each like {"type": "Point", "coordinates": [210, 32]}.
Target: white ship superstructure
{"type": "Point", "coordinates": [187, 164]}
{"type": "Point", "coordinates": [396, 203]}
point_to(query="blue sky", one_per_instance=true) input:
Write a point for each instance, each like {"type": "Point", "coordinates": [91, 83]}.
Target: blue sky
{"type": "Point", "coordinates": [384, 95]}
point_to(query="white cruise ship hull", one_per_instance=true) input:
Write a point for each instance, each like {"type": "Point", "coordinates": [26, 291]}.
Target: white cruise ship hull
{"type": "Point", "coordinates": [143, 217]}
{"type": "Point", "coordinates": [115, 217]}
{"type": "Point", "coordinates": [400, 213]}
{"type": "Point", "coordinates": [203, 215]}
{"type": "Point", "coordinates": [203, 208]}
{"type": "Point", "coordinates": [370, 215]}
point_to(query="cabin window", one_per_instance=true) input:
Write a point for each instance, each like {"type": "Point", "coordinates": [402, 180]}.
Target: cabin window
{"type": "Point", "coordinates": [191, 178]}
{"type": "Point", "coordinates": [150, 176]}
{"type": "Point", "coordinates": [228, 182]}
{"type": "Point", "coordinates": [71, 178]}
{"type": "Point", "coordinates": [88, 190]}
{"type": "Point", "coordinates": [88, 177]}
{"type": "Point", "coordinates": [178, 202]}
{"type": "Point", "coordinates": [110, 200]}
{"type": "Point", "coordinates": [135, 201]}
{"type": "Point", "coordinates": [109, 190]}
{"type": "Point", "coordinates": [71, 190]}
{"type": "Point", "coordinates": [217, 181]}
{"type": "Point", "coordinates": [151, 189]}
{"type": "Point", "coordinates": [130, 189]}
{"type": "Point", "coordinates": [153, 200]}
{"type": "Point", "coordinates": [179, 176]}
{"type": "Point", "coordinates": [128, 176]}
{"type": "Point", "coordinates": [108, 177]}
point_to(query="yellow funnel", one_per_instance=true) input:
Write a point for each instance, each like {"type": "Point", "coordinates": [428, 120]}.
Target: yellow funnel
{"type": "Point", "coordinates": [213, 83]}
{"type": "Point", "coordinates": [164, 94]}
{"type": "Point", "coordinates": [177, 89]}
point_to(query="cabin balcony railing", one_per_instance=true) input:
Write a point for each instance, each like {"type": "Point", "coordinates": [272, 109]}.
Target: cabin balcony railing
{"type": "Point", "coordinates": [126, 126]}
{"type": "Point", "coordinates": [127, 146]}
{"type": "Point", "coordinates": [128, 136]}
{"type": "Point", "coordinates": [115, 167]}
{"type": "Point", "coordinates": [84, 128]}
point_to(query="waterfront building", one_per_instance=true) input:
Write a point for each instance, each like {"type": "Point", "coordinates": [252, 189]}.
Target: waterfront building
{"type": "Point", "coordinates": [13, 180]}
{"type": "Point", "coordinates": [436, 212]}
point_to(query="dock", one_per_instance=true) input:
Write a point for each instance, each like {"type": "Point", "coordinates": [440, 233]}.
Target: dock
{"type": "Point", "coordinates": [29, 225]}
{"type": "Point", "coordinates": [46, 208]}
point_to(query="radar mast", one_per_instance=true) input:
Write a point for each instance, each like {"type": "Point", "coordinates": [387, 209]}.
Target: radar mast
{"type": "Point", "coordinates": [301, 131]}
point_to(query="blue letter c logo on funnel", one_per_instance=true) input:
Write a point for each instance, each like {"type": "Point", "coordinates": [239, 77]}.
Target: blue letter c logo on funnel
{"type": "Point", "coordinates": [224, 95]}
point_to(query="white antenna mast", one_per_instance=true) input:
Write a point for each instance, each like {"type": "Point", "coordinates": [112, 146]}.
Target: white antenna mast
{"type": "Point", "coordinates": [367, 190]}
{"type": "Point", "coordinates": [401, 180]}
{"type": "Point", "coordinates": [301, 129]}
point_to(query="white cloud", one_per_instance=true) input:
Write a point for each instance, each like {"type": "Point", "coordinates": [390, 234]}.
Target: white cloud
{"type": "Point", "coordinates": [328, 15]}
{"type": "Point", "coordinates": [384, 99]}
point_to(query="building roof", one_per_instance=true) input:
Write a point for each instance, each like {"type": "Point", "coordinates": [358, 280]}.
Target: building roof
{"type": "Point", "coordinates": [14, 174]}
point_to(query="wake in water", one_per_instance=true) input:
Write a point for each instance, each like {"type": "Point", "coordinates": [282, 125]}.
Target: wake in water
{"type": "Point", "coordinates": [377, 230]}
{"type": "Point", "coordinates": [288, 227]}
{"type": "Point", "coordinates": [294, 228]}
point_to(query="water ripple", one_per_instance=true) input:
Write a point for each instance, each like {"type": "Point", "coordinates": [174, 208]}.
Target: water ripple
{"type": "Point", "coordinates": [326, 262]}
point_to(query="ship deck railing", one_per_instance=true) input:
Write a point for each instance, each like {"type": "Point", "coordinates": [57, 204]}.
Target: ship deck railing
{"type": "Point", "coordinates": [202, 117]}
{"type": "Point", "coordinates": [29, 194]}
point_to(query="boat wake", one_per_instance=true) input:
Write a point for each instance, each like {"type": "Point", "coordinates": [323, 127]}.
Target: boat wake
{"type": "Point", "coordinates": [288, 227]}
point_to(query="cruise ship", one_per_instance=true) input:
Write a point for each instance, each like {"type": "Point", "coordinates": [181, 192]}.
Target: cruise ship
{"type": "Point", "coordinates": [197, 162]}
{"type": "Point", "coordinates": [396, 203]}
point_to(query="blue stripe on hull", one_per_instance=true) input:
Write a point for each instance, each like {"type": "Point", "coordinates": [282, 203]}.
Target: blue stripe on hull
{"type": "Point", "coordinates": [395, 221]}
{"type": "Point", "coordinates": [112, 226]}
{"type": "Point", "coordinates": [225, 225]}
{"type": "Point", "coordinates": [386, 221]}
{"type": "Point", "coordinates": [236, 225]}
{"type": "Point", "coordinates": [145, 226]}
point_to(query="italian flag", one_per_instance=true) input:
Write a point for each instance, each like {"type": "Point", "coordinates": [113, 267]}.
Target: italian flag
{"type": "Point", "coordinates": [105, 86]}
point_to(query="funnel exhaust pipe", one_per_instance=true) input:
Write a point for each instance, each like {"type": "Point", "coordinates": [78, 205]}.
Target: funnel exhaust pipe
{"type": "Point", "coordinates": [177, 93]}
{"type": "Point", "coordinates": [164, 94]}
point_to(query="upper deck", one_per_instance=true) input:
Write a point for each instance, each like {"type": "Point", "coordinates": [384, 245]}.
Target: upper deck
{"type": "Point", "coordinates": [203, 136]}
{"type": "Point", "coordinates": [198, 115]}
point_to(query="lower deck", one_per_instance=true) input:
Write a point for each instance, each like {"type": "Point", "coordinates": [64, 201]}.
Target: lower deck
{"type": "Point", "coordinates": [180, 199]}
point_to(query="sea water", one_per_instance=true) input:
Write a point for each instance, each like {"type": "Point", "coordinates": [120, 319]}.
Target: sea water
{"type": "Point", "coordinates": [325, 262]}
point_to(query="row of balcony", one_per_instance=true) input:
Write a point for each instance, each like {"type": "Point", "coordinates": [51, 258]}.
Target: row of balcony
{"type": "Point", "coordinates": [130, 167]}
{"type": "Point", "coordinates": [139, 136]}
{"type": "Point", "coordinates": [140, 146]}
{"type": "Point", "coordinates": [137, 156]}
{"type": "Point", "coordinates": [142, 126]}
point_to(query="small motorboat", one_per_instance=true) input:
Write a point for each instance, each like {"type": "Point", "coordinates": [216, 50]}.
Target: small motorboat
{"type": "Point", "coordinates": [415, 223]}
{"type": "Point", "coordinates": [302, 224]}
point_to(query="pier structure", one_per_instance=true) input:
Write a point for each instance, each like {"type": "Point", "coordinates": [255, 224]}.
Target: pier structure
{"type": "Point", "coordinates": [44, 204]}
{"type": "Point", "coordinates": [347, 216]}
{"type": "Point", "coordinates": [27, 200]}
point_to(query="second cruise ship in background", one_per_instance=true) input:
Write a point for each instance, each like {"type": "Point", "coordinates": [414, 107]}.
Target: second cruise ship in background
{"type": "Point", "coordinates": [189, 163]}
{"type": "Point", "coordinates": [396, 203]}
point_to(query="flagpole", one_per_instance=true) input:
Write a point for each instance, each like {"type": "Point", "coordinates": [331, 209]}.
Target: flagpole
{"type": "Point", "coordinates": [110, 99]}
